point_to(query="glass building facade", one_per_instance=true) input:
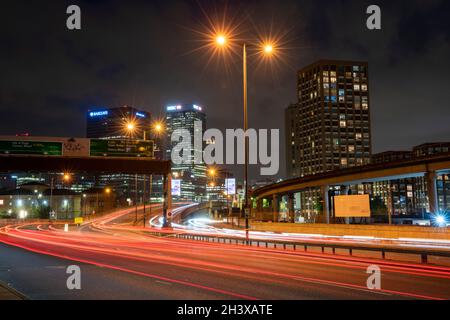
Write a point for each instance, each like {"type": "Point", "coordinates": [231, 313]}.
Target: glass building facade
{"type": "Point", "coordinates": [111, 123]}
{"type": "Point", "coordinates": [193, 175]}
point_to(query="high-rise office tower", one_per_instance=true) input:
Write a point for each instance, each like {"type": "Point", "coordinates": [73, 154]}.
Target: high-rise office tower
{"type": "Point", "coordinates": [191, 175]}
{"type": "Point", "coordinates": [329, 127]}
{"type": "Point", "coordinates": [113, 123]}
{"type": "Point", "coordinates": [121, 123]}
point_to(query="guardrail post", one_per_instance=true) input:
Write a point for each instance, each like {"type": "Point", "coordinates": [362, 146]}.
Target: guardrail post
{"type": "Point", "coordinates": [424, 258]}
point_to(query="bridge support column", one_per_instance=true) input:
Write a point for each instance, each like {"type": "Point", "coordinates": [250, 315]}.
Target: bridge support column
{"type": "Point", "coordinates": [259, 209]}
{"type": "Point", "coordinates": [167, 198]}
{"type": "Point", "coordinates": [291, 210]}
{"type": "Point", "coordinates": [431, 181]}
{"type": "Point", "coordinates": [326, 203]}
{"type": "Point", "coordinates": [275, 208]}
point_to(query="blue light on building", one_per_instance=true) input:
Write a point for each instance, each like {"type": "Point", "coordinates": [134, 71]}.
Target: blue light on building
{"type": "Point", "coordinates": [98, 113]}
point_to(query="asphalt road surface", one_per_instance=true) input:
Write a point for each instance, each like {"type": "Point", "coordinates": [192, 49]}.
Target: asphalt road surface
{"type": "Point", "coordinates": [122, 261]}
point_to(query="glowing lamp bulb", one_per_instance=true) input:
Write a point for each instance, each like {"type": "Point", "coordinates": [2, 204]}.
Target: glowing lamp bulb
{"type": "Point", "coordinates": [220, 40]}
{"type": "Point", "coordinates": [268, 49]}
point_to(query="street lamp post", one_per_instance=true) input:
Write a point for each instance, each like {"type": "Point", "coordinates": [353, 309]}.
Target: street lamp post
{"type": "Point", "coordinates": [246, 209]}
{"type": "Point", "coordinates": [267, 49]}
{"type": "Point", "coordinates": [130, 128]}
{"type": "Point", "coordinates": [144, 190]}
{"type": "Point", "coordinates": [225, 173]}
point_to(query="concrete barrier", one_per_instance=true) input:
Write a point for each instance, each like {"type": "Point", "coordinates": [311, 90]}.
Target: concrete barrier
{"type": "Point", "coordinates": [379, 231]}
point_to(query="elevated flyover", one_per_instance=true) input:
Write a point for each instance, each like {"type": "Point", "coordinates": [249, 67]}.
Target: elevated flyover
{"type": "Point", "coordinates": [428, 167]}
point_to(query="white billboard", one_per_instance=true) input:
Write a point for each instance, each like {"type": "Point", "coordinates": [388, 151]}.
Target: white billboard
{"type": "Point", "coordinates": [357, 206]}
{"type": "Point", "coordinates": [176, 187]}
{"type": "Point", "coordinates": [230, 186]}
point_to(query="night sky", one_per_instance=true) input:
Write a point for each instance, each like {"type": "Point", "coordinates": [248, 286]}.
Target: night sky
{"type": "Point", "coordinates": [142, 53]}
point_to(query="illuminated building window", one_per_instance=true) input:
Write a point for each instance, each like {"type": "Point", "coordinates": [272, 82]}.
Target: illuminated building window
{"type": "Point", "coordinates": [344, 162]}
{"type": "Point", "coordinates": [351, 148]}
{"type": "Point", "coordinates": [364, 87]}
{"type": "Point", "coordinates": [356, 87]}
{"type": "Point", "coordinates": [342, 124]}
{"type": "Point", "coordinates": [358, 136]}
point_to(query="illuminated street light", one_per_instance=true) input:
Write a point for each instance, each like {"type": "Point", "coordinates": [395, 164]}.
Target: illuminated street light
{"type": "Point", "coordinates": [212, 172]}
{"type": "Point", "coordinates": [268, 49]}
{"type": "Point", "coordinates": [131, 126]}
{"type": "Point", "coordinates": [221, 40]}
{"type": "Point", "coordinates": [66, 177]}
{"type": "Point", "coordinates": [108, 190]}
{"type": "Point", "coordinates": [158, 127]}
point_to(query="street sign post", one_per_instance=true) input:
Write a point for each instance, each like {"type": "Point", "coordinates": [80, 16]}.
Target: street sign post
{"type": "Point", "coordinates": [121, 148]}
{"type": "Point", "coordinates": [21, 147]}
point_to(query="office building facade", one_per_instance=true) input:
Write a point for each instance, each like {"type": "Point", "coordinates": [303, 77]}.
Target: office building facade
{"type": "Point", "coordinates": [111, 123]}
{"type": "Point", "coordinates": [192, 175]}
{"type": "Point", "coordinates": [329, 127]}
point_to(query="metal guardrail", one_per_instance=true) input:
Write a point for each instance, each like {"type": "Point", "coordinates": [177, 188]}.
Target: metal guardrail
{"type": "Point", "coordinates": [423, 253]}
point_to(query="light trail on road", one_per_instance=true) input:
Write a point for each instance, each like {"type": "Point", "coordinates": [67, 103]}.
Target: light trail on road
{"type": "Point", "coordinates": [224, 270]}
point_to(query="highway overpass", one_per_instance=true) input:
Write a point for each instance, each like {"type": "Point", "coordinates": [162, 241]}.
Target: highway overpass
{"type": "Point", "coordinates": [429, 167]}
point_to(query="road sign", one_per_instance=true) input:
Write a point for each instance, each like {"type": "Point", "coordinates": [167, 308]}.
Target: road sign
{"type": "Point", "coordinates": [22, 147]}
{"type": "Point", "coordinates": [121, 148]}
{"type": "Point", "coordinates": [78, 220]}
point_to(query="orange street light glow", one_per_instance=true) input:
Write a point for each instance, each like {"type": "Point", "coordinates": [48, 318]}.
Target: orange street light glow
{"type": "Point", "coordinates": [158, 127]}
{"type": "Point", "coordinates": [130, 126]}
{"type": "Point", "coordinates": [268, 49]}
{"type": "Point", "coordinates": [221, 40]}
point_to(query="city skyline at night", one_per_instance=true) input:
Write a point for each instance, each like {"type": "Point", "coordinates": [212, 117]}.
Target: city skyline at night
{"type": "Point", "coordinates": [225, 159]}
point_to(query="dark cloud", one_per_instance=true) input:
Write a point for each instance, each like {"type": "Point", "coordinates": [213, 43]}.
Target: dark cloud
{"type": "Point", "coordinates": [139, 53]}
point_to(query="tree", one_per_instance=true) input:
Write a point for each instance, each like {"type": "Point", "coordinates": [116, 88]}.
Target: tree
{"type": "Point", "coordinates": [42, 212]}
